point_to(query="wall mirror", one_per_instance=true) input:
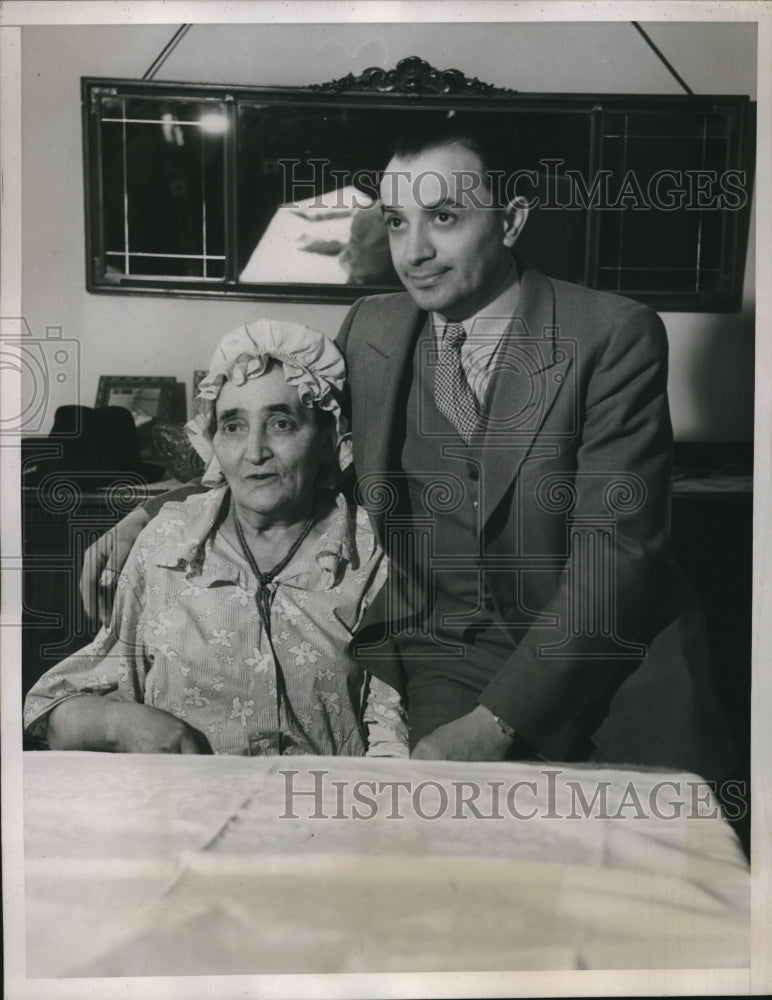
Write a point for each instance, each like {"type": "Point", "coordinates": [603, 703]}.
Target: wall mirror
{"type": "Point", "coordinates": [271, 193]}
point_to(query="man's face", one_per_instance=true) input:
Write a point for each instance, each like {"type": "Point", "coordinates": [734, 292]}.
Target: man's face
{"type": "Point", "coordinates": [449, 250]}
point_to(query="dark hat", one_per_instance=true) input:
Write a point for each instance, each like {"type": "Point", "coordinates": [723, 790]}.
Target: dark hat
{"type": "Point", "coordinates": [93, 447]}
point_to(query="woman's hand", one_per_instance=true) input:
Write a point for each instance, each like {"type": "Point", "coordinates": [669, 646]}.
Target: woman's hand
{"type": "Point", "coordinates": [92, 722]}
{"type": "Point", "coordinates": [103, 562]}
{"type": "Point", "coordinates": [136, 728]}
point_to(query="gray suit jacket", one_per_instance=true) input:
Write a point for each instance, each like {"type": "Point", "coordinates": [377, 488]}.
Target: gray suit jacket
{"type": "Point", "coordinates": [577, 461]}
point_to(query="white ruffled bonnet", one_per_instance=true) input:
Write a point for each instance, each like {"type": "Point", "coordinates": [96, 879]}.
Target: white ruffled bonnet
{"type": "Point", "coordinates": [311, 362]}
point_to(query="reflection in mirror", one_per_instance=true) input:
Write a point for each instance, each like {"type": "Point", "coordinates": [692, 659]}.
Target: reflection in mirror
{"type": "Point", "coordinates": [308, 190]}
{"type": "Point", "coordinates": [163, 180]}
{"type": "Point", "coordinates": [308, 193]}
{"type": "Point", "coordinates": [337, 237]}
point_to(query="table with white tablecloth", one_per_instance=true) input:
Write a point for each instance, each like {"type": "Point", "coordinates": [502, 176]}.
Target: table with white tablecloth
{"type": "Point", "coordinates": [179, 865]}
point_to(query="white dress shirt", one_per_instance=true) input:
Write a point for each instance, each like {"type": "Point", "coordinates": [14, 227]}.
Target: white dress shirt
{"type": "Point", "coordinates": [485, 331]}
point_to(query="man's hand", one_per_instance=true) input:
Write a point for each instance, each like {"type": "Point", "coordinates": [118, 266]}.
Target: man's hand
{"type": "Point", "coordinates": [475, 736]}
{"type": "Point", "coordinates": [103, 562]}
{"type": "Point", "coordinates": [91, 722]}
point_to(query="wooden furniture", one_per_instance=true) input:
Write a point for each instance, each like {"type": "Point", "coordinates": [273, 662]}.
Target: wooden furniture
{"type": "Point", "coordinates": [712, 540]}
{"type": "Point", "coordinates": [58, 526]}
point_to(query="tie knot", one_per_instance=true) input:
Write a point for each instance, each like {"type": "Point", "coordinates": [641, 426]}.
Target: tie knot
{"type": "Point", "coordinates": [454, 335]}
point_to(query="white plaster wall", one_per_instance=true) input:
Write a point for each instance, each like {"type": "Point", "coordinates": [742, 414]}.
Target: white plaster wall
{"type": "Point", "coordinates": [711, 380]}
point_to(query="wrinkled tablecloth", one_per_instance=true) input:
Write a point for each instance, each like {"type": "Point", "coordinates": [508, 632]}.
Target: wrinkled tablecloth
{"type": "Point", "coordinates": [179, 865]}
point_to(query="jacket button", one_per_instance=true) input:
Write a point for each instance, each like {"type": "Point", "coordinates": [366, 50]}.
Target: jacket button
{"type": "Point", "coordinates": [475, 505]}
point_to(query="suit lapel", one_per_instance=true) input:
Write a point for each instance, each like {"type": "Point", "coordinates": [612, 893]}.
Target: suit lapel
{"type": "Point", "coordinates": [527, 382]}
{"type": "Point", "coordinates": [531, 370]}
{"type": "Point", "coordinates": [388, 354]}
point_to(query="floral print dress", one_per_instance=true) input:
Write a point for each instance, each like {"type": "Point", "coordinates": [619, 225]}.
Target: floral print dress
{"type": "Point", "coordinates": [186, 636]}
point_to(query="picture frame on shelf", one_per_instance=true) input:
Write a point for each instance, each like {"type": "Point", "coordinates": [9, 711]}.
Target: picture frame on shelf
{"type": "Point", "coordinates": [147, 398]}
{"type": "Point", "coordinates": [150, 400]}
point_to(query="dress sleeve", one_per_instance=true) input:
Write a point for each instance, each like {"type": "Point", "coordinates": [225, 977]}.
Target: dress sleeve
{"type": "Point", "coordinates": [113, 665]}
{"type": "Point", "coordinates": [178, 494]}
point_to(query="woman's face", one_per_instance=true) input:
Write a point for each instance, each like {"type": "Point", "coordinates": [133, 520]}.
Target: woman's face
{"type": "Point", "coordinates": [270, 448]}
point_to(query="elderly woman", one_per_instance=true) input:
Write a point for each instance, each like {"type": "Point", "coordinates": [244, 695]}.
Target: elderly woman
{"type": "Point", "coordinates": [234, 614]}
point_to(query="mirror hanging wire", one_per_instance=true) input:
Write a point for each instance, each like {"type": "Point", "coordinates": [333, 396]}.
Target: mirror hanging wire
{"type": "Point", "coordinates": [166, 51]}
{"type": "Point", "coordinates": [661, 57]}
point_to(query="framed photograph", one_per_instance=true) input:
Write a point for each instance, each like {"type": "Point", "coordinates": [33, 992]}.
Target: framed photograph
{"type": "Point", "coordinates": [148, 399]}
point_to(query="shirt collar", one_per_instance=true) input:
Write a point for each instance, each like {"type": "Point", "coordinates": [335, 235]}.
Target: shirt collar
{"type": "Point", "coordinates": [183, 538]}
{"type": "Point", "coordinates": [191, 542]}
{"type": "Point", "coordinates": [491, 322]}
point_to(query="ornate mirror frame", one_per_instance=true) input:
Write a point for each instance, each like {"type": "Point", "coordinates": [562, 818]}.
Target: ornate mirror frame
{"type": "Point", "coordinates": [265, 193]}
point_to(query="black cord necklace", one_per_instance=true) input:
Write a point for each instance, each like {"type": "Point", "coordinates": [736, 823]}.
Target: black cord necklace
{"type": "Point", "coordinates": [263, 600]}
{"type": "Point", "coordinates": [265, 579]}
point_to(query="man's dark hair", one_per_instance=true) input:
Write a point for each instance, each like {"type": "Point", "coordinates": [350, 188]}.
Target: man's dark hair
{"type": "Point", "coordinates": [493, 147]}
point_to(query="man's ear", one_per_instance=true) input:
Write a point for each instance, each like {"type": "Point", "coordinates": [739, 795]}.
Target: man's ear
{"type": "Point", "coordinates": [515, 217]}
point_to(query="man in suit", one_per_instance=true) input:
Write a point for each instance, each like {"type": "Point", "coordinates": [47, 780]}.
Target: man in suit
{"type": "Point", "coordinates": [512, 443]}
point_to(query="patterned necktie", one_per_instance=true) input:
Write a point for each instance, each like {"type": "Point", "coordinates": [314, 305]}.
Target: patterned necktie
{"type": "Point", "coordinates": [452, 393]}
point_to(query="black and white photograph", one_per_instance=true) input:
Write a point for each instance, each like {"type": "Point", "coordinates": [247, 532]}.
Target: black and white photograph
{"type": "Point", "coordinates": [425, 512]}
